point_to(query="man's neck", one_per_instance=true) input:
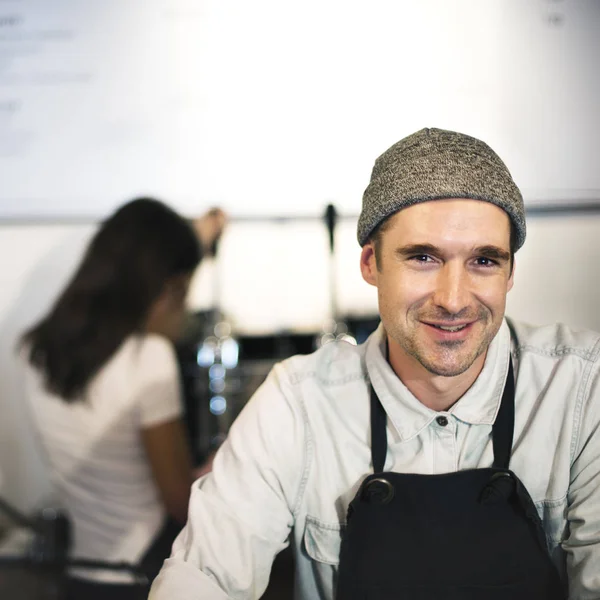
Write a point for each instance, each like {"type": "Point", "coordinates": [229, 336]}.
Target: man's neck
{"type": "Point", "coordinates": [434, 391]}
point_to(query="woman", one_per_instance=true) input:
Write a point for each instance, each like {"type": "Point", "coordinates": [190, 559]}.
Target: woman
{"type": "Point", "coordinates": [104, 391]}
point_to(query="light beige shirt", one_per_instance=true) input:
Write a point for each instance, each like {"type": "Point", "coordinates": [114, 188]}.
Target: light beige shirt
{"type": "Point", "coordinates": [300, 449]}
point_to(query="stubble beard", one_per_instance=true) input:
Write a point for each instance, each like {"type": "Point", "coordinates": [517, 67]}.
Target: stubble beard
{"type": "Point", "coordinates": [445, 363]}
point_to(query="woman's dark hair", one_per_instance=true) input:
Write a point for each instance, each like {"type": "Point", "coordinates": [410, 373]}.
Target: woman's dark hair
{"type": "Point", "coordinates": [124, 270]}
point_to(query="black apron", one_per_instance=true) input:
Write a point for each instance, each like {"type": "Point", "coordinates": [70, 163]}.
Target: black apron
{"type": "Point", "coordinates": [469, 535]}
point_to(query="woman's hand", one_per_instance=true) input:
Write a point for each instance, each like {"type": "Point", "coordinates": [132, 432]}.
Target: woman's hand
{"type": "Point", "coordinates": [209, 228]}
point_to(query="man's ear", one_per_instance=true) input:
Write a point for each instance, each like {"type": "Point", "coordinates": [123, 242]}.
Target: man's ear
{"type": "Point", "coordinates": [511, 279]}
{"type": "Point", "coordinates": [368, 263]}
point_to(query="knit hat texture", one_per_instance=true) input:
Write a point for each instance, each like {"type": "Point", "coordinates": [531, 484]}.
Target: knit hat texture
{"type": "Point", "coordinates": [435, 164]}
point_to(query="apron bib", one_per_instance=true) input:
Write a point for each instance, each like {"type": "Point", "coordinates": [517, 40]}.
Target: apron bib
{"type": "Point", "coordinates": [469, 535]}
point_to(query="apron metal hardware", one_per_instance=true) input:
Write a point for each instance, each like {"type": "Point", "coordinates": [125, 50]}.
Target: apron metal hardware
{"type": "Point", "coordinates": [378, 489]}
{"type": "Point", "coordinates": [500, 488]}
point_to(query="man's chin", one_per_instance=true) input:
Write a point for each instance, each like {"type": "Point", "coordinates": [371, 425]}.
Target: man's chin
{"type": "Point", "coordinates": [445, 368]}
{"type": "Point", "coordinates": [446, 371]}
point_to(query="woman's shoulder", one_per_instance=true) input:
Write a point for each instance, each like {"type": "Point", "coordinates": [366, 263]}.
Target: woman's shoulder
{"type": "Point", "coordinates": [148, 354]}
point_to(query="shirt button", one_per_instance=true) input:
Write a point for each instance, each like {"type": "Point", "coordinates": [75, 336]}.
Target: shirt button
{"type": "Point", "coordinates": [442, 421]}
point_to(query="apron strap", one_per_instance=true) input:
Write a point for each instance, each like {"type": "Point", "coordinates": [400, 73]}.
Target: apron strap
{"type": "Point", "coordinates": [502, 430]}
{"type": "Point", "coordinates": [378, 433]}
{"type": "Point", "coordinates": [504, 425]}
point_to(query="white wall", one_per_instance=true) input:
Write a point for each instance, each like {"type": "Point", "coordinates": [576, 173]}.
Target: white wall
{"type": "Point", "coordinates": [277, 107]}
{"type": "Point", "coordinates": [557, 277]}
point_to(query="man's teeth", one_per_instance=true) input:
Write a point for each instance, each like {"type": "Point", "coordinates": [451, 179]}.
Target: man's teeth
{"type": "Point", "coordinates": [445, 328]}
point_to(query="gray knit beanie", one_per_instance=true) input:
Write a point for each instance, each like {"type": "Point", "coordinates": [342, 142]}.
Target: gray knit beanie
{"type": "Point", "coordinates": [435, 164]}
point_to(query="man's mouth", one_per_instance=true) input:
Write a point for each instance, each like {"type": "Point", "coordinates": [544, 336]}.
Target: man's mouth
{"type": "Point", "coordinates": [450, 332]}
{"type": "Point", "coordinates": [451, 328]}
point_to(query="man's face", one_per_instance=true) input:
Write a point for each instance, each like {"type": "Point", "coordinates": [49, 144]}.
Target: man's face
{"type": "Point", "coordinates": [442, 278]}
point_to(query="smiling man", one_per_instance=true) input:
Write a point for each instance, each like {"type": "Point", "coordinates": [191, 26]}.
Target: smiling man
{"type": "Point", "coordinates": [454, 455]}
{"type": "Point", "coordinates": [442, 271]}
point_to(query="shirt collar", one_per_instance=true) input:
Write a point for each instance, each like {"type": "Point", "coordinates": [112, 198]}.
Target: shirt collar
{"type": "Point", "coordinates": [478, 406]}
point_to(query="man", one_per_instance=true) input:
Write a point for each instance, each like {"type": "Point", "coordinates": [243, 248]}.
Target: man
{"type": "Point", "coordinates": [453, 455]}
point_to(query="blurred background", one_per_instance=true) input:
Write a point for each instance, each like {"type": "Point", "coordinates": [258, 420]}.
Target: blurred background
{"type": "Point", "coordinates": [274, 111]}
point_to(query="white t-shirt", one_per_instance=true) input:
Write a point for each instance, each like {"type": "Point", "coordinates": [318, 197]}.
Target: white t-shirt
{"type": "Point", "coordinates": [96, 455]}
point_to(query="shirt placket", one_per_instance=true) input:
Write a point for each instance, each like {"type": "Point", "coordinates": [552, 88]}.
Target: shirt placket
{"type": "Point", "coordinates": [444, 444]}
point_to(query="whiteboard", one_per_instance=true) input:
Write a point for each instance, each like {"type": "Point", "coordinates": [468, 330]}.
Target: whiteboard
{"type": "Point", "coordinates": [277, 108]}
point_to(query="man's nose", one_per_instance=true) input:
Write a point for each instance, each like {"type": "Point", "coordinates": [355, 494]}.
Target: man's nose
{"type": "Point", "coordinates": [452, 288]}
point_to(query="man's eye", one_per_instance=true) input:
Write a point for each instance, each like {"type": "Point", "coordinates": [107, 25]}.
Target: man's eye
{"type": "Point", "coordinates": [421, 258]}
{"type": "Point", "coordinates": [482, 261]}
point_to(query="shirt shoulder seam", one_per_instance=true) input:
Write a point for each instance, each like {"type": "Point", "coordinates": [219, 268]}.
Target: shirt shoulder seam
{"type": "Point", "coordinates": [589, 355]}
{"type": "Point", "coordinates": [307, 458]}
{"type": "Point", "coordinates": [582, 395]}
{"type": "Point", "coordinates": [297, 378]}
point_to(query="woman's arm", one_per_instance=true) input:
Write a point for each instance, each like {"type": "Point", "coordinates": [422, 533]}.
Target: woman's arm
{"type": "Point", "coordinates": [170, 460]}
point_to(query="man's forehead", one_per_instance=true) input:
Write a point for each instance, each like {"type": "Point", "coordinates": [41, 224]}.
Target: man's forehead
{"type": "Point", "coordinates": [451, 217]}
{"type": "Point", "coordinates": [465, 208]}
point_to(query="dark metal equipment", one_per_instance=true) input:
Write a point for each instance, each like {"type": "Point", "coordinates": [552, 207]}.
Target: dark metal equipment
{"type": "Point", "coordinates": [335, 328]}
{"type": "Point", "coordinates": [221, 369]}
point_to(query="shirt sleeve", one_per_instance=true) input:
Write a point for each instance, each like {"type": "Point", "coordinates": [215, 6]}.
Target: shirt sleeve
{"type": "Point", "coordinates": [583, 542]}
{"type": "Point", "coordinates": [240, 515]}
{"type": "Point", "coordinates": [156, 383]}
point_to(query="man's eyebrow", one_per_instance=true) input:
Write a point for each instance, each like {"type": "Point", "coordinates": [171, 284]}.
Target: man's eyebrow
{"type": "Point", "coordinates": [417, 249]}
{"type": "Point", "coordinates": [493, 252]}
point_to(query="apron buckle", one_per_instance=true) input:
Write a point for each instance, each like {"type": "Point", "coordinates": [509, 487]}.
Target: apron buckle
{"type": "Point", "coordinates": [378, 490]}
{"type": "Point", "coordinates": [500, 488]}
